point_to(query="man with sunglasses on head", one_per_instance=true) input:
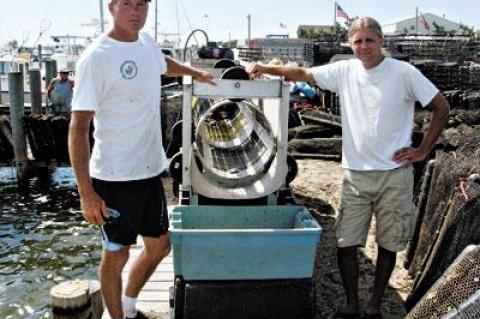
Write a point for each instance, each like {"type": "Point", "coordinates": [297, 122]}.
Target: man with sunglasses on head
{"type": "Point", "coordinates": [118, 87]}
{"type": "Point", "coordinates": [60, 91]}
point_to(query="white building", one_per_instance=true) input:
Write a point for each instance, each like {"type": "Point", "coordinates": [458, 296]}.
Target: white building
{"type": "Point", "coordinates": [416, 25]}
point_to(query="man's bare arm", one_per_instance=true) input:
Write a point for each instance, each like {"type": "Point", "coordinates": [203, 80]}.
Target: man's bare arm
{"type": "Point", "coordinates": [50, 89]}
{"type": "Point", "coordinates": [290, 73]}
{"type": "Point", "coordinates": [441, 109]}
{"type": "Point", "coordinates": [93, 207]}
{"type": "Point", "coordinates": [176, 68]}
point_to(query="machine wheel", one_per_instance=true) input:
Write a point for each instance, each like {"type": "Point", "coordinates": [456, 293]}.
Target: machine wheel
{"type": "Point", "coordinates": [235, 73]}
{"type": "Point", "coordinates": [224, 64]}
{"type": "Point", "coordinates": [292, 169]}
{"type": "Point", "coordinates": [175, 169]}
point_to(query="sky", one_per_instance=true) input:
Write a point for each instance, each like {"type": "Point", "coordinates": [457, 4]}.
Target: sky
{"type": "Point", "coordinates": [35, 21]}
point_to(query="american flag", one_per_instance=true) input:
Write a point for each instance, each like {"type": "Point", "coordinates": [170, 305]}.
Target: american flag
{"type": "Point", "coordinates": [424, 22]}
{"type": "Point", "coordinates": [283, 25]}
{"type": "Point", "coordinates": [341, 13]}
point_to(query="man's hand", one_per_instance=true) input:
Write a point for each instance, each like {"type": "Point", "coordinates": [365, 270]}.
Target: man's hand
{"type": "Point", "coordinates": [256, 70]}
{"type": "Point", "coordinates": [205, 77]}
{"type": "Point", "coordinates": [94, 209]}
{"type": "Point", "coordinates": [409, 155]}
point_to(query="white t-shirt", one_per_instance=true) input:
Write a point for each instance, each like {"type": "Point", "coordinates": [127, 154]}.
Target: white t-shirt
{"type": "Point", "coordinates": [121, 83]}
{"type": "Point", "coordinates": [377, 108]}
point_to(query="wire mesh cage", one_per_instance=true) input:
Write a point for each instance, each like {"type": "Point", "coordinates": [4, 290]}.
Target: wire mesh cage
{"type": "Point", "coordinates": [451, 220]}
{"type": "Point", "coordinates": [459, 283]}
{"type": "Point", "coordinates": [468, 309]}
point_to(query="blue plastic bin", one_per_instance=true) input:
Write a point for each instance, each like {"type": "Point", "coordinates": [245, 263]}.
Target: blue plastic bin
{"type": "Point", "coordinates": [243, 242]}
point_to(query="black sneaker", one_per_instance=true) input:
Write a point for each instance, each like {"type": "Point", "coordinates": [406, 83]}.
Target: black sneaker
{"type": "Point", "coordinates": [145, 315]}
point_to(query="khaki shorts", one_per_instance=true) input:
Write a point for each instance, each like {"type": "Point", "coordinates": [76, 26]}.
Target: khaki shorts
{"type": "Point", "coordinates": [388, 195]}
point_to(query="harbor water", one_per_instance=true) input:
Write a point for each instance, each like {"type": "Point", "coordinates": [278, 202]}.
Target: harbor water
{"type": "Point", "coordinates": [44, 240]}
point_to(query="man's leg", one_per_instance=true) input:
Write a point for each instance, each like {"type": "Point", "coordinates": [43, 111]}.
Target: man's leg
{"type": "Point", "coordinates": [385, 265]}
{"type": "Point", "coordinates": [395, 219]}
{"type": "Point", "coordinates": [110, 273]}
{"type": "Point", "coordinates": [348, 265]}
{"type": "Point", "coordinates": [155, 250]}
{"type": "Point", "coordinates": [351, 230]}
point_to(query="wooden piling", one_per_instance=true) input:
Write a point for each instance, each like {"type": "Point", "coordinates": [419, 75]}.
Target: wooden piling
{"type": "Point", "coordinates": [40, 57]}
{"type": "Point", "coordinates": [17, 111]}
{"type": "Point", "coordinates": [21, 69]}
{"type": "Point", "coordinates": [50, 73]}
{"type": "Point", "coordinates": [35, 91]}
{"type": "Point", "coordinates": [79, 299]}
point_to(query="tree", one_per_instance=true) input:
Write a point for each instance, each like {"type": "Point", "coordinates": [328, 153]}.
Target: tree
{"type": "Point", "coordinates": [438, 30]}
{"type": "Point", "coordinates": [342, 32]}
{"type": "Point", "coordinates": [466, 30]}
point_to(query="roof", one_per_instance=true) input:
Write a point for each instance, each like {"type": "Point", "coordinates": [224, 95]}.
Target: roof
{"type": "Point", "coordinates": [427, 15]}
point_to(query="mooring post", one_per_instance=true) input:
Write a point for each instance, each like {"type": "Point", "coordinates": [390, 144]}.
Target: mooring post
{"type": "Point", "coordinates": [40, 56]}
{"type": "Point", "coordinates": [26, 76]}
{"type": "Point", "coordinates": [17, 111]}
{"type": "Point", "coordinates": [21, 69]}
{"type": "Point", "coordinates": [79, 299]}
{"type": "Point", "coordinates": [50, 73]}
{"type": "Point", "coordinates": [35, 91]}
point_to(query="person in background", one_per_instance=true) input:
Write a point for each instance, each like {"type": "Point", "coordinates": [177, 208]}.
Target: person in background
{"type": "Point", "coordinates": [119, 87]}
{"type": "Point", "coordinates": [60, 91]}
{"type": "Point", "coordinates": [377, 97]}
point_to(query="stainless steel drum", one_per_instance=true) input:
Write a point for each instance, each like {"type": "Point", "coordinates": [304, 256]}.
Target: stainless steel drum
{"type": "Point", "coordinates": [234, 143]}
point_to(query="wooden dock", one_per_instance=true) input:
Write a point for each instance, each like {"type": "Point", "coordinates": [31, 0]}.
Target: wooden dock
{"type": "Point", "coordinates": [154, 297]}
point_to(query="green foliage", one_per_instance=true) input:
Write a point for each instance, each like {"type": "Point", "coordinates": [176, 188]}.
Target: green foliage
{"type": "Point", "coordinates": [438, 30]}
{"type": "Point", "coordinates": [342, 32]}
{"type": "Point", "coordinates": [466, 30]}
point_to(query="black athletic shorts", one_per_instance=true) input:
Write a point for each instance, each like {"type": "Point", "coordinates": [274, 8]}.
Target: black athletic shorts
{"type": "Point", "coordinates": [142, 207]}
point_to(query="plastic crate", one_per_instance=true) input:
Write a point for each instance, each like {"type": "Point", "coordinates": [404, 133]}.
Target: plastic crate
{"type": "Point", "coordinates": [243, 242]}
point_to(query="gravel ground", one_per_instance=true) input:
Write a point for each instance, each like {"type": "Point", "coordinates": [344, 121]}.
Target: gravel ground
{"type": "Point", "coordinates": [318, 187]}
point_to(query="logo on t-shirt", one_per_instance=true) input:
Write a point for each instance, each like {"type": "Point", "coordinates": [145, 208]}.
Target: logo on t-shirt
{"type": "Point", "coordinates": [129, 70]}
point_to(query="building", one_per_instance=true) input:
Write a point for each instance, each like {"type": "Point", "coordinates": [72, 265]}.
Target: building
{"type": "Point", "coordinates": [424, 24]}
{"type": "Point", "coordinates": [284, 49]}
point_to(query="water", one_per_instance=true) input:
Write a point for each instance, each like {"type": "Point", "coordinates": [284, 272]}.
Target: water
{"type": "Point", "coordinates": [43, 241]}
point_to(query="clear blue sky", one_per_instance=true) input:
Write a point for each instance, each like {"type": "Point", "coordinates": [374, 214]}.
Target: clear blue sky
{"type": "Point", "coordinates": [22, 19]}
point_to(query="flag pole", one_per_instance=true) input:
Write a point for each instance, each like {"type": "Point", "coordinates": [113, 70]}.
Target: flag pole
{"type": "Point", "coordinates": [335, 20]}
{"type": "Point", "coordinates": [335, 15]}
{"type": "Point", "coordinates": [416, 21]}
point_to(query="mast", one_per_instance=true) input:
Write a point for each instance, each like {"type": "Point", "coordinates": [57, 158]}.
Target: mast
{"type": "Point", "coordinates": [102, 23]}
{"type": "Point", "coordinates": [249, 25]}
{"type": "Point", "coordinates": [156, 21]}
{"type": "Point", "coordinates": [178, 20]}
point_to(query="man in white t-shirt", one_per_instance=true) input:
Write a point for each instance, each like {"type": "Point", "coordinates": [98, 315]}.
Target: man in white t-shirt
{"type": "Point", "coordinates": [119, 86]}
{"type": "Point", "coordinates": [377, 97]}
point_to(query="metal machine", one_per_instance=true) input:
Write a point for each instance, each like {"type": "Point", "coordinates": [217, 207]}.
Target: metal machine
{"type": "Point", "coordinates": [238, 250]}
{"type": "Point", "coordinates": [237, 150]}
